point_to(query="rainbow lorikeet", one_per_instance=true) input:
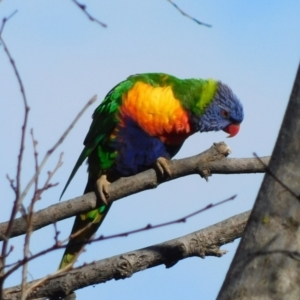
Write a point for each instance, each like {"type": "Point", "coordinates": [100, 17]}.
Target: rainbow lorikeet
{"type": "Point", "coordinates": [143, 122]}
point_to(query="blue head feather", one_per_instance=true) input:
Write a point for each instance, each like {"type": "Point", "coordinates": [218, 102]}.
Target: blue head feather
{"type": "Point", "coordinates": [225, 109]}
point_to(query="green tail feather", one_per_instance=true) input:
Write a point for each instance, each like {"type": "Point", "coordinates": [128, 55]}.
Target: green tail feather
{"type": "Point", "coordinates": [91, 221]}
{"type": "Point", "coordinates": [75, 246]}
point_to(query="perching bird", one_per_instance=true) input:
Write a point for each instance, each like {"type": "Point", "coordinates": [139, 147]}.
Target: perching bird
{"type": "Point", "coordinates": [143, 122]}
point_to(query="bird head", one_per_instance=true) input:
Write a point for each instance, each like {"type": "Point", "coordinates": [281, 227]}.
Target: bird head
{"type": "Point", "coordinates": [225, 112]}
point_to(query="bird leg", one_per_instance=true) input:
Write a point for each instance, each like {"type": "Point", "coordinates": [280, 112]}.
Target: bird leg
{"type": "Point", "coordinates": [163, 167]}
{"type": "Point", "coordinates": [102, 185]}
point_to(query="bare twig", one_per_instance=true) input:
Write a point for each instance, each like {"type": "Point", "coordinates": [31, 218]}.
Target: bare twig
{"type": "Point", "coordinates": [91, 18]}
{"type": "Point", "coordinates": [17, 186]}
{"type": "Point", "coordinates": [11, 183]}
{"type": "Point", "coordinates": [56, 233]}
{"type": "Point", "coordinates": [50, 151]}
{"type": "Point", "coordinates": [188, 16]}
{"type": "Point", "coordinates": [47, 184]}
{"type": "Point", "coordinates": [36, 197]}
{"type": "Point", "coordinates": [11, 249]}
{"type": "Point", "coordinates": [4, 20]}
{"type": "Point", "coordinates": [149, 226]}
{"type": "Point", "coordinates": [60, 245]}
{"type": "Point", "coordinates": [276, 178]}
{"type": "Point", "coordinates": [36, 163]}
{"type": "Point", "coordinates": [26, 110]}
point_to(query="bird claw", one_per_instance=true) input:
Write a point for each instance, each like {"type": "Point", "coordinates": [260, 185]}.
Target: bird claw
{"type": "Point", "coordinates": [102, 185]}
{"type": "Point", "coordinates": [163, 167]}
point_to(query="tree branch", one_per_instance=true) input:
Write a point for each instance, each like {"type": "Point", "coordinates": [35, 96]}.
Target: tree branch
{"type": "Point", "coordinates": [209, 162]}
{"type": "Point", "coordinates": [61, 244]}
{"type": "Point", "coordinates": [205, 242]}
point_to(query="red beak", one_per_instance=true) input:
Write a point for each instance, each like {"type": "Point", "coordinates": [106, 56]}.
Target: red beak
{"type": "Point", "coordinates": [232, 129]}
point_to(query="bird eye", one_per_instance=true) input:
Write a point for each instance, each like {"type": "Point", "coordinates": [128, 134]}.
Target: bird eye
{"type": "Point", "coordinates": [225, 113]}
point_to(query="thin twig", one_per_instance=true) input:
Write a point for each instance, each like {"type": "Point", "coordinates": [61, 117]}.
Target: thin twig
{"type": "Point", "coordinates": [17, 187]}
{"type": "Point", "coordinates": [56, 233]}
{"type": "Point", "coordinates": [145, 228]}
{"type": "Point", "coordinates": [50, 151]}
{"type": "Point", "coordinates": [36, 162]}
{"type": "Point", "coordinates": [180, 220]}
{"type": "Point", "coordinates": [4, 20]}
{"type": "Point", "coordinates": [25, 265]}
{"type": "Point", "coordinates": [29, 217]}
{"type": "Point", "coordinates": [188, 16]}
{"type": "Point", "coordinates": [11, 248]}
{"type": "Point", "coordinates": [91, 18]}
{"type": "Point", "coordinates": [11, 183]}
{"type": "Point", "coordinates": [26, 107]}
{"type": "Point", "coordinates": [276, 178]}
{"type": "Point", "coordinates": [47, 184]}
{"type": "Point", "coordinates": [14, 266]}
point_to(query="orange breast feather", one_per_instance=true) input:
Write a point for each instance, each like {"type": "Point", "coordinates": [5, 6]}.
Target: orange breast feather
{"type": "Point", "coordinates": [157, 112]}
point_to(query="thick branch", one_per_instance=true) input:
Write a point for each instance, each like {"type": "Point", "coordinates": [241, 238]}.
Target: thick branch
{"type": "Point", "coordinates": [205, 242]}
{"type": "Point", "coordinates": [211, 161]}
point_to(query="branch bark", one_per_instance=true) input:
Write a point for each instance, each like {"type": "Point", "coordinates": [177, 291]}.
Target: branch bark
{"type": "Point", "coordinates": [211, 161]}
{"type": "Point", "coordinates": [205, 242]}
{"type": "Point", "coordinates": [266, 265]}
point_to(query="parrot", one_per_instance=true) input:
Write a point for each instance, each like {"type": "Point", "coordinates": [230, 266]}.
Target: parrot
{"type": "Point", "coordinates": [142, 123]}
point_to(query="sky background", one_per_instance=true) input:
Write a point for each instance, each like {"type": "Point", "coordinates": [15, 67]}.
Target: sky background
{"type": "Point", "coordinates": [64, 59]}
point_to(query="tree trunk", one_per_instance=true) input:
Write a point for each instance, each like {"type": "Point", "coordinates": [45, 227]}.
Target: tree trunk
{"type": "Point", "coordinates": [267, 262]}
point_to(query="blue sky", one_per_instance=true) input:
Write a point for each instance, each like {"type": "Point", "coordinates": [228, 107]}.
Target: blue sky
{"type": "Point", "coordinates": [64, 59]}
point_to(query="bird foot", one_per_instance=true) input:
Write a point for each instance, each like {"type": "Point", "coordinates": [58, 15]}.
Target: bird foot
{"type": "Point", "coordinates": [102, 185]}
{"type": "Point", "coordinates": [163, 167]}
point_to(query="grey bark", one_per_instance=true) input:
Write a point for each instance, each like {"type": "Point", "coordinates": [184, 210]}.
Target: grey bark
{"type": "Point", "coordinates": [205, 242]}
{"type": "Point", "coordinates": [267, 262]}
{"type": "Point", "coordinates": [211, 161]}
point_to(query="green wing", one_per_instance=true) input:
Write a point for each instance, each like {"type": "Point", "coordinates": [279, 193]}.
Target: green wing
{"type": "Point", "coordinates": [104, 122]}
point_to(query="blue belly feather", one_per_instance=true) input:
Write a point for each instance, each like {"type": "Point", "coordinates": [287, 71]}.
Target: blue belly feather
{"type": "Point", "coordinates": [136, 150]}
